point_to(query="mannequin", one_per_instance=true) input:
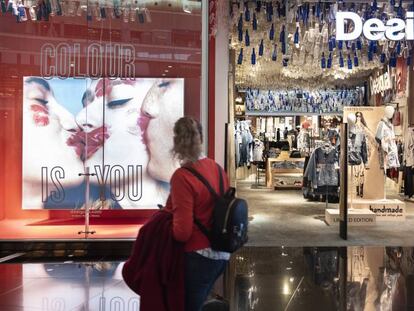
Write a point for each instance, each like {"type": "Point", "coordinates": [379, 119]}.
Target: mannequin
{"type": "Point", "coordinates": [385, 138]}
{"type": "Point", "coordinates": [389, 112]}
{"type": "Point", "coordinates": [303, 140]}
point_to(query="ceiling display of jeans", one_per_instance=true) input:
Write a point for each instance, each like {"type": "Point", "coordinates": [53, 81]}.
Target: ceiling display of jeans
{"type": "Point", "coordinates": [303, 101]}
{"type": "Point", "coordinates": [299, 45]}
{"type": "Point", "coordinates": [121, 129]}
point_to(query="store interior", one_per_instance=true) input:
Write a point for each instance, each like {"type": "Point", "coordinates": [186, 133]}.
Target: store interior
{"type": "Point", "coordinates": [293, 86]}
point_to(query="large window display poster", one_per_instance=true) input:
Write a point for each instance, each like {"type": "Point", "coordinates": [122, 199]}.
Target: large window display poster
{"type": "Point", "coordinates": [122, 130]}
{"type": "Point", "coordinates": [368, 171]}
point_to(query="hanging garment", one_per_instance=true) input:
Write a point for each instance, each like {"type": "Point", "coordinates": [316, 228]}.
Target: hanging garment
{"type": "Point", "coordinates": [333, 137]}
{"type": "Point", "coordinates": [385, 137]}
{"type": "Point", "coordinates": [408, 181]}
{"type": "Point", "coordinates": [246, 144]}
{"type": "Point", "coordinates": [396, 120]}
{"type": "Point", "coordinates": [156, 266]}
{"type": "Point", "coordinates": [258, 148]}
{"type": "Point", "coordinates": [244, 148]}
{"type": "Point", "coordinates": [327, 161]}
{"type": "Point", "coordinates": [250, 147]}
{"type": "Point", "coordinates": [303, 140]}
{"type": "Point", "coordinates": [322, 167]}
{"type": "Point", "coordinates": [409, 147]}
{"type": "Point", "coordinates": [237, 142]}
{"type": "Point", "coordinates": [357, 146]}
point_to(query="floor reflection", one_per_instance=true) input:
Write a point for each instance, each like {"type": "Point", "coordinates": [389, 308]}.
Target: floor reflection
{"type": "Point", "coordinates": [67, 286]}
{"type": "Point", "coordinates": [372, 279]}
{"type": "Point", "coordinates": [258, 278]}
{"type": "Point", "coordinates": [380, 278]}
{"type": "Point", "coordinates": [284, 279]}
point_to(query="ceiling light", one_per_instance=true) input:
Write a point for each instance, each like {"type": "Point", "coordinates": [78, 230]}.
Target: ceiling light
{"type": "Point", "coordinates": [165, 70]}
{"type": "Point", "coordinates": [169, 66]}
{"type": "Point", "coordinates": [163, 74]}
{"type": "Point", "coordinates": [285, 290]}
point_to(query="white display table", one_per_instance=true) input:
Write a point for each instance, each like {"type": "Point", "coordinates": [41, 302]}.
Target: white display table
{"type": "Point", "coordinates": [356, 217]}
{"type": "Point", "coordinates": [385, 210]}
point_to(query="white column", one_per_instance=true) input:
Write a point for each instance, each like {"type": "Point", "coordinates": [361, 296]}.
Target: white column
{"type": "Point", "coordinates": [221, 80]}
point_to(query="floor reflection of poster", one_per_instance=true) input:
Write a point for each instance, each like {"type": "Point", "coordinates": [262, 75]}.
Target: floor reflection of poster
{"type": "Point", "coordinates": [76, 286]}
{"type": "Point", "coordinates": [121, 129]}
{"type": "Point", "coordinates": [380, 278]}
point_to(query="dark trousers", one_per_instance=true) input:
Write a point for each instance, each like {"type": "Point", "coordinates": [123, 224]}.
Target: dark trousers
{"type": "Point", "coordinates": [200, 275]}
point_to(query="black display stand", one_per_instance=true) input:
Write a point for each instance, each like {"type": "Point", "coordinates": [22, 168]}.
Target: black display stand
{"type": "Point", "coordinates": [343, 198]}
{"type": "Point", "coordinates": [343, 276]}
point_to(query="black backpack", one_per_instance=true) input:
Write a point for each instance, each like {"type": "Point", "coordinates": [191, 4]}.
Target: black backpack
{"type": "Point", "coordinates": [229, 228]}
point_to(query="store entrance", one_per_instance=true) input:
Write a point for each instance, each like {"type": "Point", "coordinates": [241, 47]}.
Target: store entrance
{"type": "Point", "coordinates": [293, 87]}
{"type": "Point", "coordinates": [287, 163]}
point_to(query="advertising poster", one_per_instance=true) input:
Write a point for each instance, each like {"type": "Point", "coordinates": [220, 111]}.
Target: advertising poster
{"type": "Point", "coordinates": [120, 129]}
{"type": "Point", "coordinates": [373, 173]}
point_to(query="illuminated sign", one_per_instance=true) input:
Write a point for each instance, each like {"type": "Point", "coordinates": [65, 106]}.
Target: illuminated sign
{"type": "Point", "coordinates": [374, 29]}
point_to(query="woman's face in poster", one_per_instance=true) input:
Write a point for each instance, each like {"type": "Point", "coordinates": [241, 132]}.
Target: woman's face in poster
{"type": "Point", "coordinates": [113, 124]}
{"type": "Point", "coordinates": [47, 131]}
{"type": "Point", "coordinates": [163, 105]}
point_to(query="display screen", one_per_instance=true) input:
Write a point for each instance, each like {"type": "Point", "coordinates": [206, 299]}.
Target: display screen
{"type": "Point", "coordinates": [120, 131]}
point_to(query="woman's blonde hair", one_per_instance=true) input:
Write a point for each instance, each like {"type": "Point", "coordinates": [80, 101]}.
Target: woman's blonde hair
{"type": "Point", "coordinates": [188, 139]}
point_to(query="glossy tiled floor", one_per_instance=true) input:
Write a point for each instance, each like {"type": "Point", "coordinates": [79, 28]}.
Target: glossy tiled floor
{"type": "Point", "coordinates": [284, 217]}
{"type": "Point", "coordinates": [257, 278]}
{"type": "Point", "coordinates": [65, 286]}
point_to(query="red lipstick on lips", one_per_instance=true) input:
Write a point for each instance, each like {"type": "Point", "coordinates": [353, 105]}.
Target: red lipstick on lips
{"type": "Point", "coordinates": [143, 122]}
{"type": "Point", "coordinates": [94, 139]}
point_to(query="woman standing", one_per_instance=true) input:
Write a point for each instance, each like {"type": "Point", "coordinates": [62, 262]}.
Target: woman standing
{"type": "Point", "coordinates": [189, 200]}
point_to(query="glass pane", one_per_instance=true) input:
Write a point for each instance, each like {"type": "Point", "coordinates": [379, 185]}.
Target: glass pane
{"type": "Point", "coordinates": [79, 84]}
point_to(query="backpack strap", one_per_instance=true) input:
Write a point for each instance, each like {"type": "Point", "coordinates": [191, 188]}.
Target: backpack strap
{"type": "Point", "coordinates": [204, 180]}
{"type": "Point", "coordinates": [202, 228]}
{"type": "Point", "coordinates": [200, 177]}
{"type": "Point", "coordinates": [221, 180]}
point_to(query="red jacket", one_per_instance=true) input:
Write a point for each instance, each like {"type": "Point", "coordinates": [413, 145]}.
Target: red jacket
{"type": "Point", "coordinates": [155, 269]}
{"type": "Point", "coordinates": [189, 197]}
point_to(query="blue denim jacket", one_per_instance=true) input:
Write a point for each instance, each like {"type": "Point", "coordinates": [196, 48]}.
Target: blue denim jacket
{"type": "Point", "coordinates": [322, 167]}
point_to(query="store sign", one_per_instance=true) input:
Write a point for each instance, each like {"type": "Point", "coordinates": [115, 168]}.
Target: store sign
{"type": "Point", "coordinates": [380, 84]}
{"type": "Point", "coordinates": [374, 29]}
{"type": "Point", "coordinates": [355, 217]}
{"type": "Point", "coordinates": [389, 212]}
{"type": "Point", "coordinates": [67, 60]}
{"type": "Point", "coordinates": [385, 210]}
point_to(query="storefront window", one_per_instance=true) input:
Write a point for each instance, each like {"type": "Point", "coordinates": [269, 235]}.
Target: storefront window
{"type": "Point", "coordinates": [93, 86]}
